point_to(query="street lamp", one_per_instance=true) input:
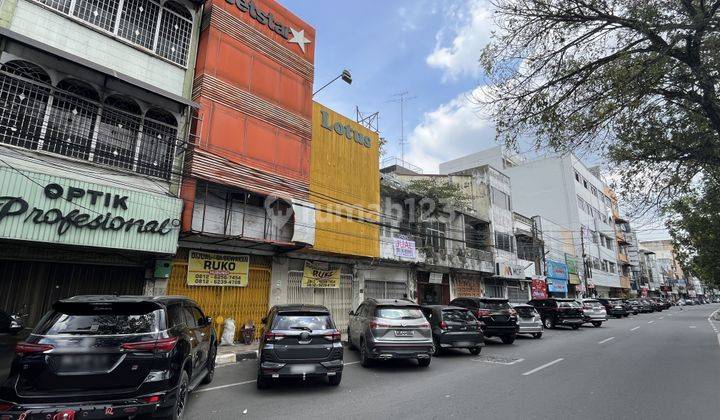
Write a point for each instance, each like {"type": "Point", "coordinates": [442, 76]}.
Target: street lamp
{"type": "Point", "coordinates": [345, 75]}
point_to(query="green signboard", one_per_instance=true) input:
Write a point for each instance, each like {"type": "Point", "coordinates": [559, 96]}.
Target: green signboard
{"type": "Point", "coordinates": [572, 263]}
{"type": "Point", "coordinates": [50, 209]}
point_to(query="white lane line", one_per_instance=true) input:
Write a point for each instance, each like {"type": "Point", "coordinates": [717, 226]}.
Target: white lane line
{"type": "Point", "coordinates": [539, 368]}
{"type": "Point", "coordinates": [661, 317]}
{"type": "Point", "coordinates": [495, 362]}
{"type": "Point", "coordinates": [225, 386]}
{"type": "Point", "coordinates": [633, 329]}
{"type": "Point", "coordinates": [351, 363]}
{"type": "Point", "coordinates": [670, 314]}
{"type": "Point", "coordinates": [650, 322]}
{"type": "Point", "coordinates": [692, 326]}
{"type": "Point", "coordinates": [606, 340]}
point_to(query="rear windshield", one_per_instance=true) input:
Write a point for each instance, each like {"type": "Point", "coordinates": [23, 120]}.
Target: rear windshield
{"type": "Point", "coordinates": [457, 315]}
{"type": "Point", "coordinates": [592, 303]}
{"type": "Point", "coordinates": [494, 305]}
{"type": "Point", "coordinates": [302, 321]}
{"type": "Point", "coordinates": [566, 304]}
{"type": "Point", "coordinates": [88, 319]}
{"type": "Point", "coordinates": [398, 312]}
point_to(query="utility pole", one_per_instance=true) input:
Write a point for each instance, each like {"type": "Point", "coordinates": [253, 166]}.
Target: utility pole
{"type": "Point", "coordinates": [401, 98]}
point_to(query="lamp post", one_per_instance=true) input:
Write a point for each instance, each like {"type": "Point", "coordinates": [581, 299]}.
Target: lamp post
{"type": "Point", "coordinates": [345, 76]}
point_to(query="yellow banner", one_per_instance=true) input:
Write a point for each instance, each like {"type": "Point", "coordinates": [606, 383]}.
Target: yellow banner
{"type": "Point", "coordinates": [314, 276]}
{"type": "Point", "coordinates": [212, 269]}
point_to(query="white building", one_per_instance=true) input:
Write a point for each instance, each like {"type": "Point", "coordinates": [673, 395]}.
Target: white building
{"type": "Point", "coordinates": [564, 191]}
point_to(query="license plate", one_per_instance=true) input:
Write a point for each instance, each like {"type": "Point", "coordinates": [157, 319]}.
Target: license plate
{"type": "Point", "coordinates": [402, 333]}
{"type": "Point", "coordinates": [301, 368]}
{"type": "Point", "coordinates": [463, 328]}
{"type": "Point", "coordinates": [88, 363]}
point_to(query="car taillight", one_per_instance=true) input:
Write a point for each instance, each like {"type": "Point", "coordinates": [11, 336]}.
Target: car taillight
{"type": "Point", "coordinates": [5, 406]}
{"type": "Point", "coordinates": [151, 399]}
{"type": "Point", "coordinates": [512, 312]}
{"type": "Point", "coordinates": [334, 336]}
{"type": "Point", "coordinates": [443, 325]}
{"type": "Point", "coordinates": [160, 345]}
{"type": "Point", "coordinates": [483, 312]}
{"type": "Point", "coordinates": [23, 348]}
{"type": "Point", "coordinates": [271, 336]}
{"type": "Point", "coordinates": [375, 325]}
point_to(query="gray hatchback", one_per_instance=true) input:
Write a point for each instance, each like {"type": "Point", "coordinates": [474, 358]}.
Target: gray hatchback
{"type": "Point", "coordinates": [385, 329]}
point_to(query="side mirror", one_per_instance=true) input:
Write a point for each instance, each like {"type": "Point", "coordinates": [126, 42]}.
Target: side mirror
{"type": "Point", "coordinates": [264, 320]}
{"type": "Point", "coordinates": [351, 313]}
{"type": "Point", "coordinates": [207, 320]}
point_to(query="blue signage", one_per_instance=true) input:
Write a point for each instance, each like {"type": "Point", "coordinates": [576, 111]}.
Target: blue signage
{"type": "Point", "coordinates": [557, 270]}
{"type": "Point", "coordinates": [557, 286]}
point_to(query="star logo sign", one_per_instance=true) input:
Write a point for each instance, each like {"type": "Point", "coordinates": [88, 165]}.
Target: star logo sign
{"type": "Point", "coordinates": [299, 38]}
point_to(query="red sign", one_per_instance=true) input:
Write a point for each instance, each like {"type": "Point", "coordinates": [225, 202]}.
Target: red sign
{"type": "Point", "coordinates": [538, 288]}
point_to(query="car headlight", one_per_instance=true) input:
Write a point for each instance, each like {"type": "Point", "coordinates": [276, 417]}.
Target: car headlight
{"type": "Point", "coordinates": [14, 324]}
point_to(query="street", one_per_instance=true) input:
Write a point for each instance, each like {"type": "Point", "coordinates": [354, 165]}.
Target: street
{"type": "Point", "coordinates": [650, 366]}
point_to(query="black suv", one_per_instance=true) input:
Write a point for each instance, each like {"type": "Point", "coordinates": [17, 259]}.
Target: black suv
{"type": "Point", "coordinates": [614, 307]}
{"type": "Point", "coordinates": [299, 341]}
{"type": "Point", "coordinates": [454, 327]}
{"type": "Point", "coordinates": [95, 357]}
{"type": "Point", "coordinates": [497, 317]}
{"type": "Point", "coordinates": [554, 312]}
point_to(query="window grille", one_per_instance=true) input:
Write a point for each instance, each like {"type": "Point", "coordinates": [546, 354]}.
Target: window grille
{"type": "Point", "coordinates": [175, 31]}
{"type": "Point", "coordinates": [23, 102]}
{"type": "Point", "coordinates": [73, 115]}
{"type": "Point", "coordinates": [101, 13]}
{"type": "Point", "coordinates": [118, 134]}
{"type": "Point", "coordinates": [157, 147]}
{"type": "Point", "coordinates": [138, 21]}
{"type": "Point", "coordinates": [165, 30]}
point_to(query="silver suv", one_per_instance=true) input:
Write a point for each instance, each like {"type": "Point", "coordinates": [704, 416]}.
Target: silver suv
{"type": "Point", "coordinates": [385, 329]}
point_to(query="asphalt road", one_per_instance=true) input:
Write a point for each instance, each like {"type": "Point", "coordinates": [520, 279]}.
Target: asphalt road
{"type": "Point", "coordinates": [650, 366]}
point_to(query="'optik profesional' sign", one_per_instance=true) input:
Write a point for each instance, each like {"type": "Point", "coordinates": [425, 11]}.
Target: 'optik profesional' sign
{"type": "Point", "coordinates": [45, 208]}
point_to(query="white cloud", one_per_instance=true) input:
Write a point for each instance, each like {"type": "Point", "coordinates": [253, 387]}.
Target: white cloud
{"type": "Point", "coordinates": [451, 130]}
{"type": "Point", "coordinates": [471, 32]}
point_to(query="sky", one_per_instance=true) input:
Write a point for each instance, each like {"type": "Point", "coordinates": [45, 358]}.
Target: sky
{"type": "Point", "coordinates": [427, 48]}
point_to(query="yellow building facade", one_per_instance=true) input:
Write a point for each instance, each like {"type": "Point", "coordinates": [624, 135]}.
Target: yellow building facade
{"type": "Point", "coordinates": [344, 185]}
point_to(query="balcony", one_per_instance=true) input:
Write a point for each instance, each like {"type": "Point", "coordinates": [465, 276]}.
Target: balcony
{"type": "Point", "coordinates": [622, 238]}
{"type": "Point", "coordinates": [623, 258]}
{"type": "Point", "coordinates": [459, 258]}
{"type": "Point", "coordinates": [624, 281]}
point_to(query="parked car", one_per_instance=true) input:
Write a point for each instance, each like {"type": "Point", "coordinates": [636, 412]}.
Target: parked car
{"type": "Point", "coordinates": [299, 341]}
{"type": "Point", "coordinates": [384, 329]}
{"type": "Point", "coordinates": [99, 356]}
{"type": "Point", "coordinates": [645, 306]}
{"type": "Point", "coordinates": [614, 307]}
{"type": "Point", "coordinates": [10, 323]}
{"type": "Point", "coordinates": [529, 320]}
{"type": "Point", "coordinates": [454, 327]}
{"type": "Point", "coordinates": [656, 305]}
{"type": "Point", "coordinates": [593, 312]}
{"type": "Point", "coordinates": [556, 311]}
{"type": "Point", "coordinates": [633, 306]}
{"type": "Point", "coordinates": [498, 317]}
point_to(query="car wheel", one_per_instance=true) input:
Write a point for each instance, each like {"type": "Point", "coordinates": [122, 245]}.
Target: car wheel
{"type": "Point", "coordinates": [475, 350]}
{"type": "Point", "coordinates": [181, 394]}
{"type": "Point", "coordinates": [537, 335]}
{"type": "Point", "coordinates": [335, 380]}
{"type": "Point", "coordinates": [597, 324]}
{"type": "Point", "coordinates": [548, 324]}
{"type": "Point", "coordinates": [262, 382]}
{"type": "Point", "coordinates": [508, 339]}
{"type": "Point", "coordinates": [424, 362]}
{"type": "Point", "coordinates": [365, 360]}
{"type": "Point", "coordinates": [575, 327]}
{"type": "Point", "coordinates": [210, 365]}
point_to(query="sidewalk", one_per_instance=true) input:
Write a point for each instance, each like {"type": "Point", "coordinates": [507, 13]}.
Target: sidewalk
{"type": "Point", "coordinates": [236, 353]}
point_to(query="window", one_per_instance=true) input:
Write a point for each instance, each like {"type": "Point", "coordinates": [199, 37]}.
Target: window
{"type": "Point", "coordinates": [594, 236]}
{"type": "Point", "coordinates": [585, 183]}
{"type": "Point", "coordinates": [577, 176]}
{"type": "Point", "coordinates": [612, 267]}
{"type": "Point", "coordinates": [435, 235]}
{"type": "Point", "coordinates": [500, 199]}
{"type": "Point", "coordinates": [165, 31]}
{"type": "Point", "coordinates": [596, 263]}
{"type": "Point", "coordinates": [398, 312]}
{"type": "Point", "coordinates": [503, 241]}
{"type": "Point", "coordinates": [610, 242]}
{"type": "Point", "coordinates": [190, 320]}
{"type": "Point", "coordinates": [593, 190]}
{"type": "Point", "coordinates": [604, 265]}
{"type": "Point", "coordinates": [302, 321]}
{"type": "Point", "coordinates": [70, 120]}
{"type": "Point", "coordinates": [475, 235]}
{"type": "Point", "coordinates": [175, 315]}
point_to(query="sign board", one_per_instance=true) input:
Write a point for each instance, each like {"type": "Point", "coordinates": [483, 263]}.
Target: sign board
{"type": "Point", "coordinates": [404, 248]}
{"type": "Point", "coordinates": [213, 269]}
{"type": "Point", "coordinates": [557, 285]}
{"type": "Point", "coordinates": [319, 277]}
{"type": "Point", "coordinates": [51, 209]}
{"type": "Point", "coordinates": [436, 278]}
{"type": "Point", "coordinates": [557, 270]}
{"type": "Point", "coordinates": [538, 289]}
{"type": "Point", "coordinates": [572, 264]}
{"type": "Point", "coordinates": [574, 279]}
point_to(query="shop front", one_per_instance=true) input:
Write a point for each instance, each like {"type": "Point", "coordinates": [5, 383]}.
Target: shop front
{"type": "Point", "coordinates": [433, 288]}
{"type": "Point", "coordinates": [63, 236]}
{"type": "Point", "coordinates": [467, 284]}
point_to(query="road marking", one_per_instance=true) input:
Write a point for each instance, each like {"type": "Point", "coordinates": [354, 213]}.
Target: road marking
{"type": "Point", "coordinates": [670, 314]}
{"type": "Point", "coordinates": [650, 322]}
{"type": "Point", "coordinates": [497, 362]}
{"type": "Point", "coordinates": [633, 329]}
{"type": "Point", "coordinates": [351, 363]}
{"type": "Point", "coordinates": [606, 340]}
{"type": "Point", "coordinates": [225, 386]}
{"type": "Point", "coordinates": [539, 368]}
{"type": "Point", "coordinates": [661, 317]}
{"type": "Point", "coordinates": [692, 326]}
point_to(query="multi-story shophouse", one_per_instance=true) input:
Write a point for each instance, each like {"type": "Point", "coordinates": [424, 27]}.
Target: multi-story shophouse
{"type": "Point", "coordinates": [651, 278]}
{"type": "Point", "coordinates": [94, 126]}
{"type": "Point", "coordinates": [668, 266]}
{"type": "Point", "coordinates": [429, 253]}
{"type": "Point", "coordinates": [246, 193]}
{"type": "Point", "coordinates": [561, 189]}
{"type": "Point", "coordinates": [627, 247]}
{"type": "Point", "coordinates": [559, 246]}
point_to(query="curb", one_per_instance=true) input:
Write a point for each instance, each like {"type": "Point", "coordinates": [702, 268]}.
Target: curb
{"type": "Point", "coordinates": [230, 358]}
